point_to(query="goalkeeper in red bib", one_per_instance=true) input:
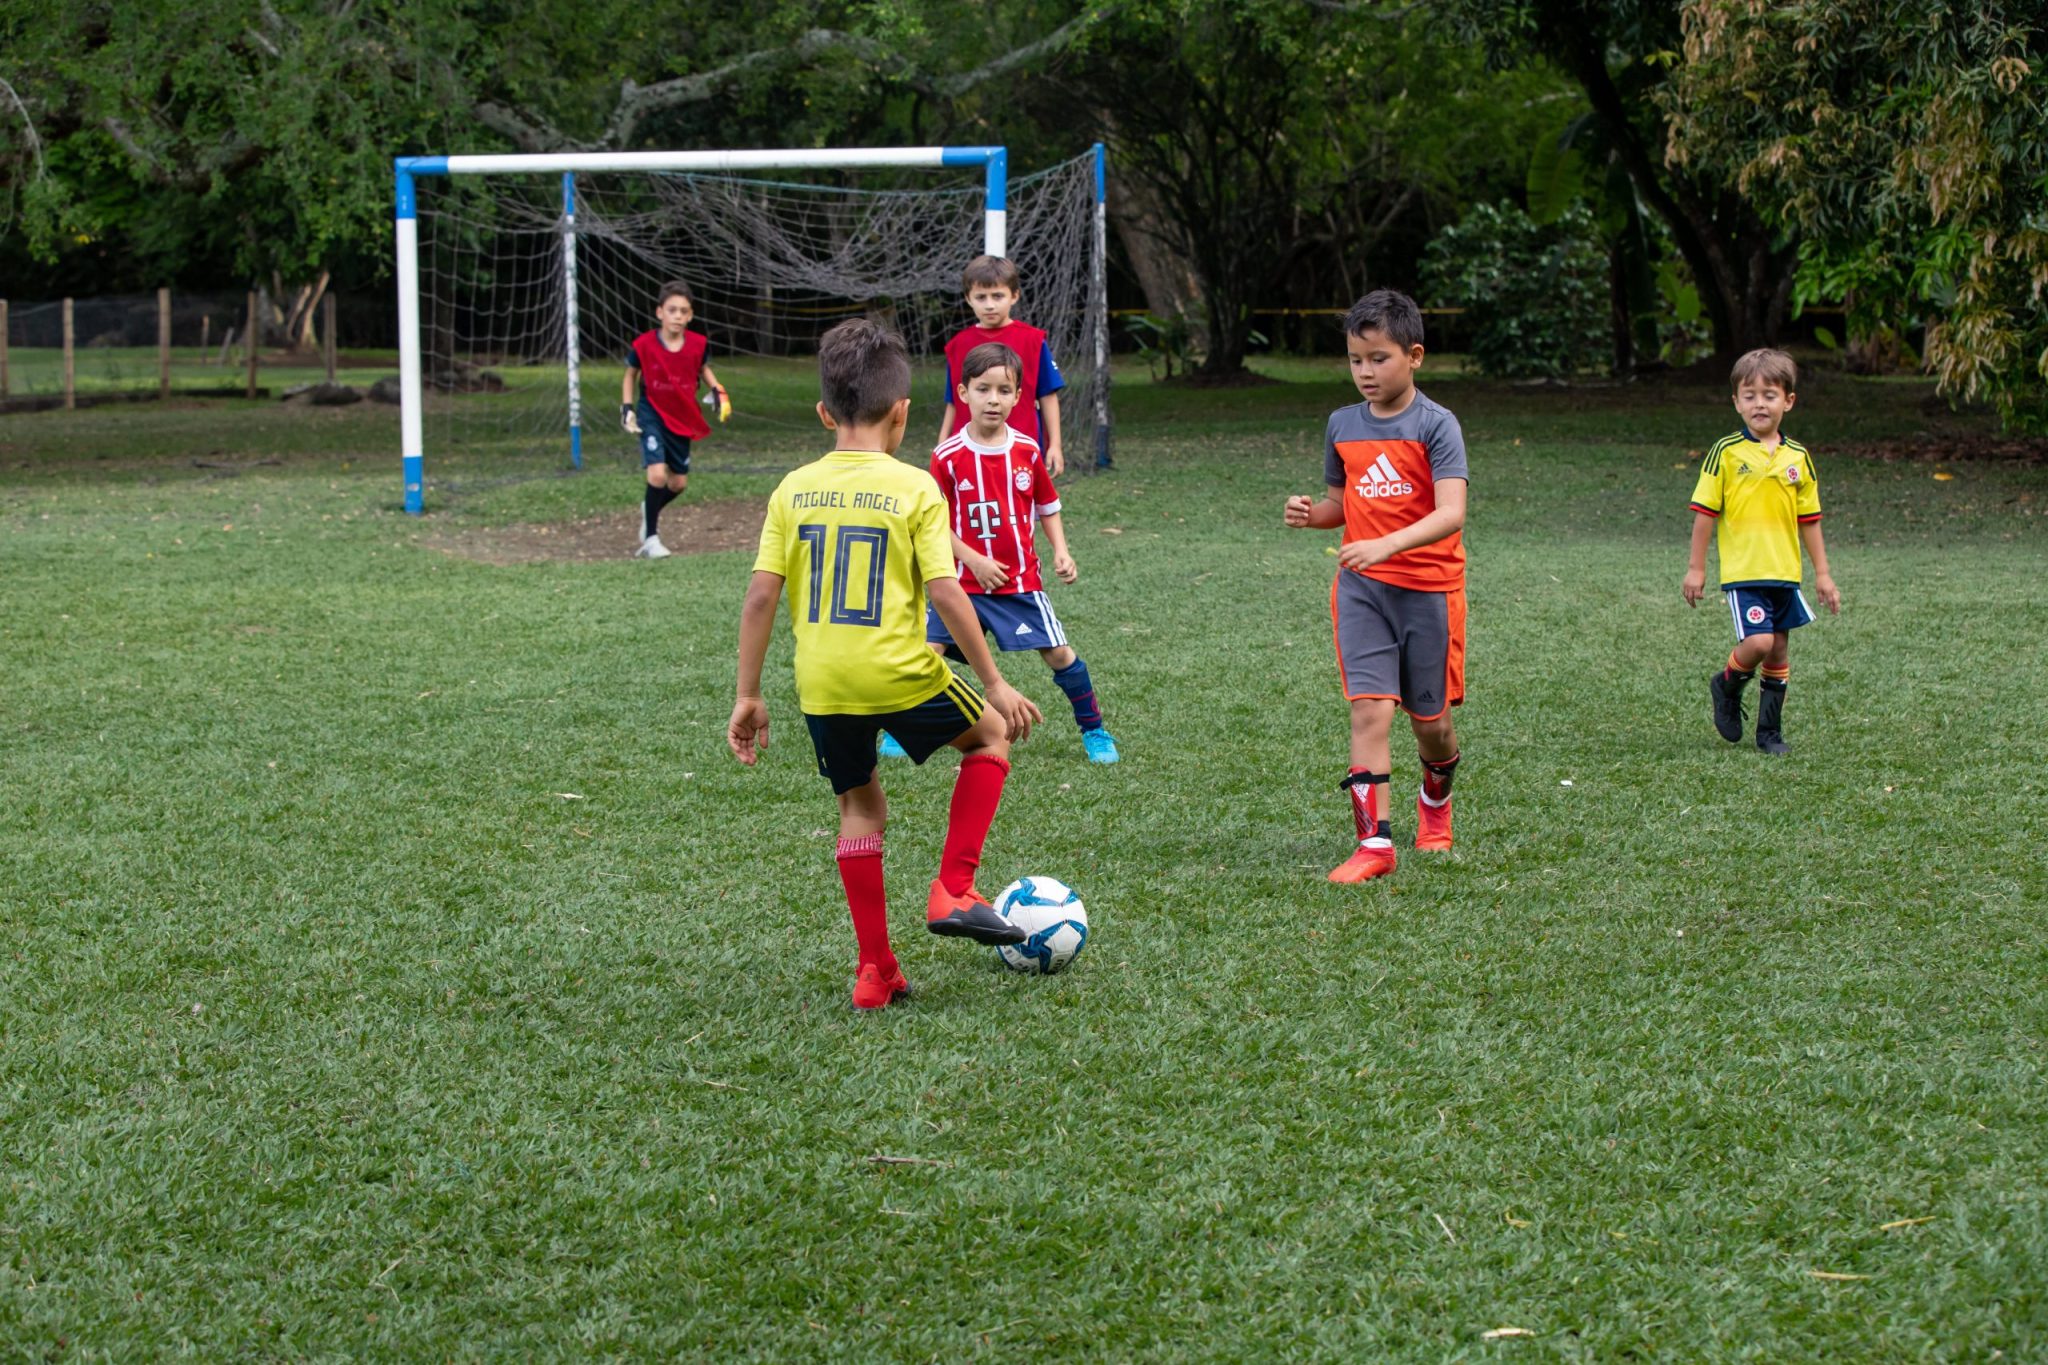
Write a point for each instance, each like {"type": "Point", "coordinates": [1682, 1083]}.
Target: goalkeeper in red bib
{"type": "Point", "coordinates": [658, 404]}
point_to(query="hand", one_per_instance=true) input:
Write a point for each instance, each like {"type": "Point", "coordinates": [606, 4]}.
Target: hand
{"type": "Point", "coordinates": [1015, 708]}
{"type": "Point", "coordinates": [1361, 555]}
{"type": "Point", "coordinates": [1694, 587]}
{"type": "Point", "coordinates": [629, 421]}
{"type": "Point", "coordinates": [747, 732]}
{"type": "Point", "coordinates": [988, 572]}
{"type": "Point", "coordinates": [1055, 462]}
{"type": "Point", "coordinates": [724, 405]}
{"type": "Point", "coordinates": [1064, 568]}
{"type": "Point", "coordinates": [1830, 595]}
{"type": "Point", "coordinates": [1296, 512]}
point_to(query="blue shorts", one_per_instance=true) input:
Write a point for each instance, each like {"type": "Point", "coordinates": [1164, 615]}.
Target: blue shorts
{"type": "Point", "coordinates": [659, 445]}
{"type": "Point", "coordinates": [1017, 620]}
{"type": "Point", "coordinates": [846, 743]}
{"type": "Point", "coordinates": [1767, 608]}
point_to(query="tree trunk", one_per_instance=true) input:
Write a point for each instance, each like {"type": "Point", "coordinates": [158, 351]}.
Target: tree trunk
{"type": "Point", "coordinates": [1148, 242]}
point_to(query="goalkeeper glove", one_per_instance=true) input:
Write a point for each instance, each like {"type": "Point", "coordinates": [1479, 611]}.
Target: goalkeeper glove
{"type": "Point", "coordinates": [724, 404]}
{"type": "Point", "coordinates": [629, 422]}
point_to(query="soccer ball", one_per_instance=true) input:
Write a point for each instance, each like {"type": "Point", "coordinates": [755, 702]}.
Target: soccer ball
{"type": "Point", "coordinates": [1054, 917]}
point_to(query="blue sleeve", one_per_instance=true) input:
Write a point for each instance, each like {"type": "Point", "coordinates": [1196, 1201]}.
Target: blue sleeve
{"type": "Point", "coordinates": [1050, 380]}
{"type": "Point", "coordinates": [946, 394]}
{"type": "Point", "coordinates": [632, 356]}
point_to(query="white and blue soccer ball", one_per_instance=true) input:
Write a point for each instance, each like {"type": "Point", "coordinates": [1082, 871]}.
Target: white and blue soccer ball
{"type": "Point", "coordinates": [1054, 917]}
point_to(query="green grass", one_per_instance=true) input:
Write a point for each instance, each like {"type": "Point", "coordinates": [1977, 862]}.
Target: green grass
{"type": "Point", "coordinates": [332, 1027]}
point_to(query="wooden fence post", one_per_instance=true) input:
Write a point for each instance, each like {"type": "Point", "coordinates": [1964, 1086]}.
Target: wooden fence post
{"type": "Point", "coordinates": [327, 318]}
{"type": "Point", "coordinates": [254, 335]}
{"type": "Point", "coordinates": [163, 343]}
{"type": "Point", "coordinates": [70, 373]}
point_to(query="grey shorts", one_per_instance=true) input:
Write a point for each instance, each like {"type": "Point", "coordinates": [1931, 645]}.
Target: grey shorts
{"type": "Point", "coordinates": [1399, 644]}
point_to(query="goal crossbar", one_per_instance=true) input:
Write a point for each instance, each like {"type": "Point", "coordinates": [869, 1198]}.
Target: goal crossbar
{"type": "Point", "coordinates": [407, 169]}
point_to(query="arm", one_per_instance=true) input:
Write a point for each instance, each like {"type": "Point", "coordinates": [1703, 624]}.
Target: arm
{"type": "Point", "coordinates": [1695, 585]}
{"type": "Point", "coordinates": [949, 600]}
{"type": "Point", "coordinates": [946, 422]}
{"type": "Point", "coordinates": [1062, 563]}
{"type": "Point", "coordinates": [985, 569]}
{"type": "Point", "coordinates": [747, 732]}
{"type": "Point", "coordinates": [1448, 517]}
{"type": "Point", "coordinates": [1823, 581]}
{"type": "Point", "coordinates": [1324, 514]}
{"type": "Point", "coordinates": [1049, 428]}
{"type": "Point", "coordinates": [629, 391]}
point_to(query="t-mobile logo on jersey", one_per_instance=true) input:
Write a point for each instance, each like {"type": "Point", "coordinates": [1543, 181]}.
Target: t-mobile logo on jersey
{"type": "Point", "coordinates": [984, 517]}
{"type": "Point", "coordinates": [1382, 480]}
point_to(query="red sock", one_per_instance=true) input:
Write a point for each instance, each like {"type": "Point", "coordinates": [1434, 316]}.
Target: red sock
{"type": "Point", "coordinates": [976, 794]}
{"type": "Point", "coordinates": [860, 871]}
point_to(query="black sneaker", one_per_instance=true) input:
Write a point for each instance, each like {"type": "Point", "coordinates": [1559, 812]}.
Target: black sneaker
{"type": "Point", "coordinates": [1772, 742]}
{"type": "Point", "coordinates": [1727, 708]}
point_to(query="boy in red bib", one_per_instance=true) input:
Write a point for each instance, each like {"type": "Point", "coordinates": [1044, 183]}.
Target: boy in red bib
{"type": "Point", "coordinates": [993, 287]}
{"type": "Point", "coordinates": [658, 404]}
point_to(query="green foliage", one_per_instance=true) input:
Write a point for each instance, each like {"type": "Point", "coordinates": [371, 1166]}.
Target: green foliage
{"type": "Point", "coordinates": [1904, 142]}
{"type": "Point", "coordinates": [1535, 296]}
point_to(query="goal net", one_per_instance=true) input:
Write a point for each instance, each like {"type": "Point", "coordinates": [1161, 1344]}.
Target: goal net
{"type": "Point", "coordinates": [530, 284]}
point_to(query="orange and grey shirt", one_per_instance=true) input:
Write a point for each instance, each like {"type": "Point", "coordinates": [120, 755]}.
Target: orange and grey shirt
{"type": "Point", "coordinates": [1388, 468]}
{"type": "Point", "coordinates": [1760, 498]}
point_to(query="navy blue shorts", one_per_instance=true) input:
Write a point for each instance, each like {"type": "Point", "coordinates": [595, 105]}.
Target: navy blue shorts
{"type": "Point", "coordinates": [1017, 620]}
{"type": "Point", "coordinates": [1767, 609]}
{"type": "Point", "coordinates": [659, 445]}
{"type": "Point", "coordinates": [846, 744]}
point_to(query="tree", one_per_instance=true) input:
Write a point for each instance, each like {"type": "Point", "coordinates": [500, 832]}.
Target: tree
{"type": "Point", "coordinates": [1620, 54]}
{"type": "Point", "coordinates": [1904, 140]}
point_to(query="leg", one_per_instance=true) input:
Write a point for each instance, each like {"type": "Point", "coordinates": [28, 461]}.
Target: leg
{"type": "Point", "coordinates": [1372, 720]}
{"type": "Point", "coordinates": [1070, 671]}
{"type": "Point", "coordinates": [845, 749]}
{"type": "Point", "coordinates": [977, 791]}
{"type": "Point", "coordinates": [1436, 744]}
{"type": "Point", "coordinates": [656, 497]}
{"type": "Point", "coordinates": [1770, 706]}
{"type": "Point", "coordinates": [1751, 645]}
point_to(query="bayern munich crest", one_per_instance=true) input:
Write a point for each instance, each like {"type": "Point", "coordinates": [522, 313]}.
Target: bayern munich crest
{"type": "Point", "coordinates": [1023, 480]}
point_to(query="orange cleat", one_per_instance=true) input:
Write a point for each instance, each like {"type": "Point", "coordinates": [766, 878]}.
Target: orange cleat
{"type": "Point", "coordinates": [1364, 864]}
{"type": "Point", "coordinates": [968, 915]}
{"type": "Point", "coordinates": [872, 989]}
{"type": "Point", "coordinates": [1432, 824]}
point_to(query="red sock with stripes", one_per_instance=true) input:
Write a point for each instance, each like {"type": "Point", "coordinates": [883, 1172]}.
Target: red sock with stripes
{"type": "Point", "coordinates": [976, 794]}
{"type": "Point", "coordinates": [1736, 673]}
{"type": "Point", "coordinates": [860, 872]}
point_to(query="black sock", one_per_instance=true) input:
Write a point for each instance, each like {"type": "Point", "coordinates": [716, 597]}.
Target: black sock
{"type": "Point", "coordinates": [650, 510]}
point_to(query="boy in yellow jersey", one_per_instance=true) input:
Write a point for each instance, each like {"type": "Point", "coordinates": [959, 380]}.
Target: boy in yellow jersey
{"type": "Point", "coordinates": [1759, 489]}
{"type": "Point", "coordinates": [857, 540]}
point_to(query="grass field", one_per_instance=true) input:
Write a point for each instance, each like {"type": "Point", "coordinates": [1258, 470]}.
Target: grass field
{"type": "Point", "coordinates": [399, 965]}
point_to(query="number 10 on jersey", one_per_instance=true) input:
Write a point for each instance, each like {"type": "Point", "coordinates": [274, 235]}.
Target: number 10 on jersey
{"type": "Point", "coordinates": [847, 543]}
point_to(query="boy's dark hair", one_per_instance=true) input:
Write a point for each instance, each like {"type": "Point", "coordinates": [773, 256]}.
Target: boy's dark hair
{"type": "Point", "coordinates": [676, 289]}
{"type": "Point", "coordinates": [991, 272]}
{"type": "Point", "coordinates": [1767, 364]}
{"type": "Point", "coordinates": [990, 355]}
{"type": "Point", "coordinates": [1390, 313]}
{"type": "Point", "coordinates": [863, 371]}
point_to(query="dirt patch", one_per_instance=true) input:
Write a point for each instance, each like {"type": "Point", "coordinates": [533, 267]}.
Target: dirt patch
{"type": "Point", "coordinates": [688, 528]}
{"type": "Point", "coordinates": [1962, 448]}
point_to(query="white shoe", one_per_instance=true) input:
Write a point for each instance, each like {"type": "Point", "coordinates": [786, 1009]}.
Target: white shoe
{"type": "Point", "coordinates": [652, 548]}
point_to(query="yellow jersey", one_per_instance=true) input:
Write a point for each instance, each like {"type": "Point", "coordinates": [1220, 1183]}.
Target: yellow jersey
{"type": "Point", "coordinates": [1759, 498]}
{"type": "Point", "coordinates": [856, 536]}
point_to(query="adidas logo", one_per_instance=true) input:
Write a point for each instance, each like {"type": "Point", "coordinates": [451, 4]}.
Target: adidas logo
{"type": "Point", "coordinates": [967, 485]}
{"type": "Point", "coordinates": [1023, 628]}
{"type": "Point", "coordinates": [1382, 480]}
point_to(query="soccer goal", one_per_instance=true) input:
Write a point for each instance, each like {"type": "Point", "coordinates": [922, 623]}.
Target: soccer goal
{"type": "Point", "coordinates": [522, 280]}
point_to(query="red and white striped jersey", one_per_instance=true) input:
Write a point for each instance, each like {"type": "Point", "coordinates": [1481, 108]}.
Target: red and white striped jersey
{"type": "Point", "coordinates": [997, 494]}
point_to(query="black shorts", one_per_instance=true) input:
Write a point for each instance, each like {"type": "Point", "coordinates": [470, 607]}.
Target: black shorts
{"type": "Point", "coordinates": [659, 445]}
{"type": "Point", "coordinates": [846, 744]}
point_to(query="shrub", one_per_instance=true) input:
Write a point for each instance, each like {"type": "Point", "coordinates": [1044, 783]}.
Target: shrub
{"type": "Point", "coordinates": [1535, 297]}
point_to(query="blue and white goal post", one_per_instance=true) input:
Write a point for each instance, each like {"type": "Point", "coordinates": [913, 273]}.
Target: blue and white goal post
{"type": "Point", "coordinates": [408, 169]}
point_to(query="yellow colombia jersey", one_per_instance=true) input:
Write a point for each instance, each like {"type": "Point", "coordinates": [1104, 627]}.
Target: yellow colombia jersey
{"type": "Point", "coordinates": [1760, 498]}
{"type": "Point", "coordinates": [857, 535]}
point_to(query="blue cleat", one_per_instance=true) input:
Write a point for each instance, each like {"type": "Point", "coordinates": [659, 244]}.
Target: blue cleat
{"type": "Point", "coordinates": [889, 748]}
{"type": "Point", "coordinates": [1101, 746]}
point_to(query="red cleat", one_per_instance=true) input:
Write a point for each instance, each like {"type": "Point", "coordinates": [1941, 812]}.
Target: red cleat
{"type": "Point", "coordinates": [968, 915]}
{"type": "Point", "coordinates": [1432, 824]}
{"type": "Point", "coordinates": [1364, 864]}
{"type": "Point", "coordinates": [873, 989]}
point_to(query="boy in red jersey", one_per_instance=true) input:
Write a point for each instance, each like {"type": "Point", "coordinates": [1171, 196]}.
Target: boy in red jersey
{"type": "Point", "coordinates": [857, 541]}
{"type": "Point", "coordinates": [993, 287]}
{"type": "Point", "coordinates": [999, 493]}
{"type": "Point", "coordinates": [1395, 472]}
{"type": "Point", "coordinates": [658, 404]}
